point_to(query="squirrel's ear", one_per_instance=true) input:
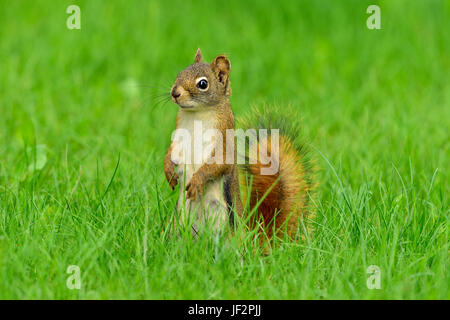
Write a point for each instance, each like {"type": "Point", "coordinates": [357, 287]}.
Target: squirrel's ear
{"type": "Point", "coordinates": [221, 67]}
{"type": "Point", "coordinates": [198, 56]}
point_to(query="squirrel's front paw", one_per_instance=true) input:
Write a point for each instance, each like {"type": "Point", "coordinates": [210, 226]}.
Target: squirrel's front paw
{"type": "Point", "coordinates": [194, 188]}
{"type": "Point", "coordinates": [172, 178]}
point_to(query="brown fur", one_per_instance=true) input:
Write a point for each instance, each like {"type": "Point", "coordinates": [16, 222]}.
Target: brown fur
{"type": "Point", "coordinates": [224, 120]}
{"type": "Point", "coordinates": [169, 169]}
{"type": "Point", "coordinates": [285, 205]}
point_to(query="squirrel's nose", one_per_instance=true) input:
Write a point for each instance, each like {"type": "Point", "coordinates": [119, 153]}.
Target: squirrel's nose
{"type": "Point", "coordinates": [175, 93]}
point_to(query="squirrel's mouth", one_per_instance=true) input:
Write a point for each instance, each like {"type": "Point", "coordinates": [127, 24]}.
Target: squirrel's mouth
{"type": "Point", "coordinates": [185, 104]}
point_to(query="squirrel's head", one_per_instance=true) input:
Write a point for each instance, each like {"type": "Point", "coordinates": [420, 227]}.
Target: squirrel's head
{"type": "Point", "coordinates": [202, 85]}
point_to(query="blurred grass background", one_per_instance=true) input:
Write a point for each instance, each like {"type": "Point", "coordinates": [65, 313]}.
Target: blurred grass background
{"type": "Point", "coordinates": [375, 105]}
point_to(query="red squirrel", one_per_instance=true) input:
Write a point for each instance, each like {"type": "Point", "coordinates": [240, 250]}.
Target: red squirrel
{"type": "Point", "coordinates": [212, 190]}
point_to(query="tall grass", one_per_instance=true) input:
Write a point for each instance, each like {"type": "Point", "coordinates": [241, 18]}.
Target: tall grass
{"type": "Point", "coordinates": [85, 125]}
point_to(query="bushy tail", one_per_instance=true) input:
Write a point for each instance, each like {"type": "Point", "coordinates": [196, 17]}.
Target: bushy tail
{"type": "Point", "coordinates": [280, 201]}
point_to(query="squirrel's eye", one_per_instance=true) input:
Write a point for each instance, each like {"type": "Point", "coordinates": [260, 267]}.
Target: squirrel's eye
{"type": "Point", "coordinates": [202, 84]}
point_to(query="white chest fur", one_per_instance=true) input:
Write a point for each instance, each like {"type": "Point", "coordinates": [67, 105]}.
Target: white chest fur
{"type": "Point", "coordinates": [192, 145]}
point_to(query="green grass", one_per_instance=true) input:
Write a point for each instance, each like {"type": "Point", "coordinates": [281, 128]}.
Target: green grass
{"type": "Point", "coordinates": [375, 107]}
